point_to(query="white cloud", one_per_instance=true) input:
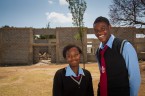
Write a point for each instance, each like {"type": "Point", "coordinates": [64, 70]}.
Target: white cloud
{"type": "Point", "coordinates": [50, 2]}
{"type": "Point", "coordinates": [59, 17]}
{"type": "Point", "coordinates": [63, 2]}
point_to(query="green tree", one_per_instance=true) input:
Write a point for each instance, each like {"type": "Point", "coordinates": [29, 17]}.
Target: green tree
{"type": "Point", "coordinates": [6, 26]}
{"type": "Point", "coordinates": [43, 37]}
{"type": "Point", "coordinates": [77, 8]}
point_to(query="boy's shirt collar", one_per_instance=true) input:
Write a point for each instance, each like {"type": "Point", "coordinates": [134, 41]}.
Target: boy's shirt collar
{"type": "Point", "coordinates": [109, 42]}
{"type": "Point", "coordinates": [69, 71]}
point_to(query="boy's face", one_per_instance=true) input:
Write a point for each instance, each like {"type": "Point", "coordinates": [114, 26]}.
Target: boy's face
{"type": "Point", "coordinates": [73, 57]}
{"type": "Point", "coordinates": [102, 31]}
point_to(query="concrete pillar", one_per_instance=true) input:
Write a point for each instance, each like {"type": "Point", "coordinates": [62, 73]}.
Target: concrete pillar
{"type": "Point", "coordinates": [57, 46]}
{"type": "Point", "coordinates": [85, 44]}
{"type": "Point", "coordinates": [0, 47]}
{"type": "Point", "coordinates": [30, 57]}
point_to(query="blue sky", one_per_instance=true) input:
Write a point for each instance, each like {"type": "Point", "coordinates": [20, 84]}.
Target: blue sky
{"type": "Point", "coordinates": [37, 13]}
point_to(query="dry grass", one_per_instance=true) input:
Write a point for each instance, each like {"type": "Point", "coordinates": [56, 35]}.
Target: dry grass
{"type": "Point", "coordinates": [37, 80]}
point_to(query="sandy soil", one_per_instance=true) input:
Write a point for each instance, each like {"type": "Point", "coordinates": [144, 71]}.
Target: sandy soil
{"type": "Point", "coordinates": [37, 80]}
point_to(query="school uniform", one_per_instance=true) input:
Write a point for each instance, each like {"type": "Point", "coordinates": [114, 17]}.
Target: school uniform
{"type": "Point", "coordinates": [122, 69]}
{"type": "Point", "coordinates": [66, 83]}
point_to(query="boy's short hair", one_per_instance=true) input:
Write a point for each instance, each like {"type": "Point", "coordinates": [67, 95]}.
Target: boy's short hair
{"type": "Point", "coordinates": [101, 19]}
{"type": "Point", "coordinates": [66, 48]}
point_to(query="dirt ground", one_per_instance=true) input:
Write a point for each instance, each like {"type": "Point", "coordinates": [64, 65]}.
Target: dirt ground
{"type": "Point", "coordinates": [37, 80]}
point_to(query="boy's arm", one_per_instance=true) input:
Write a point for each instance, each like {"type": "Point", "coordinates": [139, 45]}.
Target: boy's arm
{"type": "Point", "coordinates": [132, 65]}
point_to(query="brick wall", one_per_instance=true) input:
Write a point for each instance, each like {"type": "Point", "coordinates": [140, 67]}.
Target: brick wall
{"type": "Point", "coordinates": [17, 44]}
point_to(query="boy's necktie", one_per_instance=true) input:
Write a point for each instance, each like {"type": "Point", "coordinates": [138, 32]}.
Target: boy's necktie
{"type": "Point", "coordinates": [103, 75]}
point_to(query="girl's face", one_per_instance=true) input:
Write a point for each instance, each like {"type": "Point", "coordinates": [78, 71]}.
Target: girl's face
{"type": "Point", "coordinates": [73, 57]}
{"type": "Point", "coordinates": [102, 31]}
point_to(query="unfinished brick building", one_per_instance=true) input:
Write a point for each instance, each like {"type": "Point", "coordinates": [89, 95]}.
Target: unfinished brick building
{"type": "Point", "coordinates": [19, 47]}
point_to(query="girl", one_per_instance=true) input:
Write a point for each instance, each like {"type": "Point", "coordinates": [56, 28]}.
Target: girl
{"type": "Point", "coordinates": [72, 80]}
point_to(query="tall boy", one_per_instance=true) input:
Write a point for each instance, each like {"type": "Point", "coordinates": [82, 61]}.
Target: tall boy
{"type": "Point", "coordinates": [118, 63]}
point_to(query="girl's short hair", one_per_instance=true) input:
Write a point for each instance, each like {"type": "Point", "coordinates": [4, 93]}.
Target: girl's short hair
{"type": "Point", "coordinates": [66, 48]}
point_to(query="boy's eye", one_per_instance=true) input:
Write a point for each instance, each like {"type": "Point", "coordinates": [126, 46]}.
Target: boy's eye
{"type": "Point", "coordinates": [103, 29]}
{"type": "Point", "coordinates": [96, 31]}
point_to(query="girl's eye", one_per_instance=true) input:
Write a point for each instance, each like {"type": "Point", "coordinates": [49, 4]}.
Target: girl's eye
{"type": "Point", "coordinates": [77, 54]}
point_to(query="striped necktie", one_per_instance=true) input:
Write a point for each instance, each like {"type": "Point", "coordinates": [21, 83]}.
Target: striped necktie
{"type": "Point", "coordinates": [103, 75]}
